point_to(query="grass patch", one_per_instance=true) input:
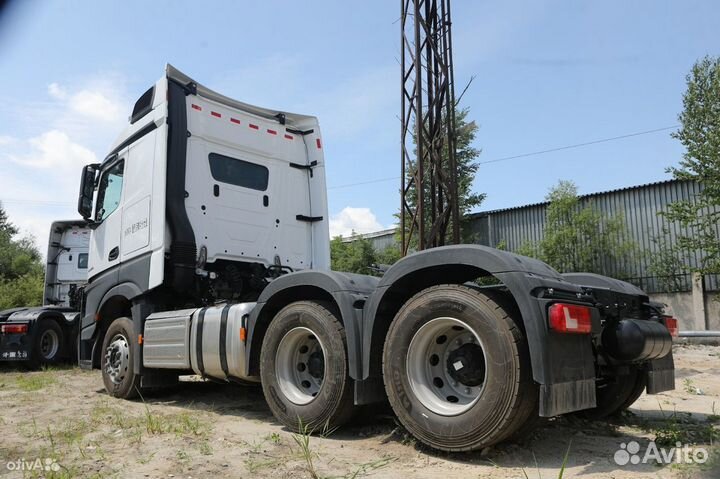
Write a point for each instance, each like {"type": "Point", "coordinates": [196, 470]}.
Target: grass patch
{"type": "Point", "coordinates": [302, 439]}
{"type": "Point", "coordinates": [681, 427]}
{"type": "Point", "coordinates": [35, 381]}
{"type": "Point", "coordinates": [368, 467]}
{"type": "Point", "coordinates": [183, 424]}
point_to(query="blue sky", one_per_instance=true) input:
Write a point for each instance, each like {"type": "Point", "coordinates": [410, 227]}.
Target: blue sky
{"type": "Point", "coordinates": [548, 74]}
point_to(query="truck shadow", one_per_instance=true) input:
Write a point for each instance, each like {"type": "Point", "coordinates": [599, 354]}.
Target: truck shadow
{"type": "Point", "coordinates": [590, 445]}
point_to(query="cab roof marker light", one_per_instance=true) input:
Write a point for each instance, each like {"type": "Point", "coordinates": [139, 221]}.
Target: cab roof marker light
{"type": "Point", "coordinates": [196, 107]}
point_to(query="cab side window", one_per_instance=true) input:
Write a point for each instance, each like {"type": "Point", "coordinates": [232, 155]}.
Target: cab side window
{"type": "Point", "coordinates": [109, 191]}
{"type": "Point", "coordinates": [238, 172]}
{"type": "Point", "coordinates": [82, 262]}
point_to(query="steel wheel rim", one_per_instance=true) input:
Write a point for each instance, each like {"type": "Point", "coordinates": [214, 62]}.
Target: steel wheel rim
{"type": "Point", "coordinates": [49, 344]}
{"type": "Point", "coordinates": [447, 366]}
{"type": "Point", "coordinates": [117, 358]}
{"type": "Point", "coordinates": [300, 365]}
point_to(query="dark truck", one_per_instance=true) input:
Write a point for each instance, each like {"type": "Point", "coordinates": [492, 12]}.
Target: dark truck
{"type": "Point", "coordinates": [48, 334]}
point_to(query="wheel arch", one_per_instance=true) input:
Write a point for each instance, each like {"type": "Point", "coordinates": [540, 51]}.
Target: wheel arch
{"type": "Point", "coordinates": [116, 303]}
{"type": "Point", "coordinates": [346, 292]}
{"type": "Point", "coordinates": [459, 264]}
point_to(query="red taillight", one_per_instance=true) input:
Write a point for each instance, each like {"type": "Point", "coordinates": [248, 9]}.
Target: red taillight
{"type": "Point", "coordinates": [14, 328]}
{"type": "Point", "coordinates": [672, 326]}
{"type": "Point", "coordinates": [570, 318]}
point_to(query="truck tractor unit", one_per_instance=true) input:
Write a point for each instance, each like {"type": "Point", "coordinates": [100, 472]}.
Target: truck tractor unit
{"type": "Point", "coordinates": [209, 255]}
{"type": "Point", "coordinates": [48, 334]}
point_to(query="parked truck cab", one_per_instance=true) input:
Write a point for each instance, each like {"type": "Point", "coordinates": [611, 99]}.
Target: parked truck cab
{"type": "Point", "coordinates": [48, 334]}
{"type": "Point", "coordinates": [209, 254]}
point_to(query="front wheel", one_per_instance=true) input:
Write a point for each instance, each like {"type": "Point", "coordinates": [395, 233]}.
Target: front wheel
{"type": "Point", "coordinates": [304, 368]}
{"type": "Point", "coordinates": [117, 361]}
{"type": "Point", "coordinates": [456, 369]}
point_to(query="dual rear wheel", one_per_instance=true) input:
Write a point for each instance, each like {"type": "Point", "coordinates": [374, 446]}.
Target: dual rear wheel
{"type": "Point", "coordinates": [304, 368]}
{"type": "Point", "coordinates": [455, 366]}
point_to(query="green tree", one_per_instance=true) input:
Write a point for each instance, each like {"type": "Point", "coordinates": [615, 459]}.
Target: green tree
{"type": "Point", "coordinates": [21, 268]}
{"type": "Point", "coordinates": [699, 133]}
{"type": "Point", "coordinates": [354, 256]}
{"type": "Point", "coordinates": [465, 155]}
{"type": "Point", "coordinates": [579, 238]}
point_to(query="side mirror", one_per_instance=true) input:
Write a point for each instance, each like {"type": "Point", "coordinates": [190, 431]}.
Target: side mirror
{"type": "Point", "coordinates": [87, 187]}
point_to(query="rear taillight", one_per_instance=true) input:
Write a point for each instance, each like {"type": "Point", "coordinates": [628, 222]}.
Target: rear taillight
{"type": "Point", "coordinates": [570, 318]}
{"type": "Point", "coordinates": [14, 328]}
{"type": "Point", "coordinates": [672, 325]}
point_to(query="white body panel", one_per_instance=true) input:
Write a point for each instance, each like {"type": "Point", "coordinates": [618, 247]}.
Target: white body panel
{"type": "Point", "coordinates": [67, 261]}
{"type": "Point", "coordinates": [281, 223]}
{"type": "Point", "coordinates": [240, 223]}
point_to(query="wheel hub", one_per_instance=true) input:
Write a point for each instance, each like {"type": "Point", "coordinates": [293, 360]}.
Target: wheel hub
{"type": "Point", "coordinates": [466, 365]}
{"type": "Point", "coordinates": [316, 365]}
{"type": "Point", "coordinates": [117, 359]}
{"type": "Point", "coordinates": [49, 344]}
{"type": "Point", "coordinates": [300, 365]}
{"type": "Point", "coordinates": [446, 366]}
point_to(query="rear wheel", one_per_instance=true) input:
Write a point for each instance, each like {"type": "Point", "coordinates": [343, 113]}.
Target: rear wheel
{"type": "Point", "coordinates": [456, 369]}
{"type": "Point", "coordinates": [48, 346]}
{"type": "Point", "coordinates": [117, 360]}
{"type": "Point", "coordinates": [614, 395]}
{"type": "Point", "coordinates": [304, 368]}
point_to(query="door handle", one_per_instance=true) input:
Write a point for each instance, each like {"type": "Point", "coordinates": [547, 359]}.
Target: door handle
{"type": "Point", "coordinates": [114, 253]}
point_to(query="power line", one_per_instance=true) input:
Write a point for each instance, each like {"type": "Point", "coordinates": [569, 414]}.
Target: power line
{"type": "Point", "coordinates": [578, 145]}
{"type": "Point", "coordinates": [525, 155]}
{"type": "Point", "coordinates": [34, 202]}
{"type": "Point", "coordinates": [381, 180]}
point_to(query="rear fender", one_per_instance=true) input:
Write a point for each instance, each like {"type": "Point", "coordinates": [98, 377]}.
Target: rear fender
{"type": "Point", "coordinates": [563, 365]}
{"type": "Point", "coordinates": [346, 291]}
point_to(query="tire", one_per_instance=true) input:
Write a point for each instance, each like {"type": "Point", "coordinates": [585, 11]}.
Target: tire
{"type": "Point", "coordinates": [48, 344]}
{"type": "Point", "coordinates": [304, 368]}
{"type": "Point", "coordinates": [117, 360]}
{"type": "Point", "coordinates": [451, 406]}
{"type": "Point", "coordinates": [616, 394]}
{"type": "Point", "coordinates": [638, 389]}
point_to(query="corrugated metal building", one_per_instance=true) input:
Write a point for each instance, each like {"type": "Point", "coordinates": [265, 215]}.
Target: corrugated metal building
{"type": "Point", "coordinates": [638, 206]}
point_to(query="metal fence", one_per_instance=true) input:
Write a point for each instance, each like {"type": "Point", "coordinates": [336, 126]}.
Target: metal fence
{"type": "Point", "coordinates": [638, 206]}
{"type": "Point", "coordinates": [640, 209]}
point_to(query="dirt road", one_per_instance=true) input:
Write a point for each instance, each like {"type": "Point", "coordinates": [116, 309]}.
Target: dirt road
{"type": "Point", "coordinates": [64, 418]}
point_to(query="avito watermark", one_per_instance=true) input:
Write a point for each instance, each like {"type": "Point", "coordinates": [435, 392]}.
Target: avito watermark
{"type": "Point", "coordinates": [46, 464]}
{"type": "Point", "coordinates": [629, 453]}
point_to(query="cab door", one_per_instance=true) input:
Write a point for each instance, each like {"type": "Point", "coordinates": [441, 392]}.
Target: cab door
{"type": "Point", "coordinates": [105, 244]}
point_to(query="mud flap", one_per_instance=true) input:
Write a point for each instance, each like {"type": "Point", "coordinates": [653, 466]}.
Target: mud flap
{"type": "Point", "coordinates": [561, 398]}
{"type": "Point", "coordinates": [661, 375]}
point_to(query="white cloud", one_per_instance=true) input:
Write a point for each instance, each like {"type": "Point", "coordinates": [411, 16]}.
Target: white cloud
{"type": "Point", "coordinates": [95, 105]}
{"type": "Point", "coordinates": [53, 137]}
{"type": "Point", "coordinates": [349, 220]}
{"type": "Point", "coordinates": [56, 91]}
{"type": "Point", "coordinates": [54, 149]}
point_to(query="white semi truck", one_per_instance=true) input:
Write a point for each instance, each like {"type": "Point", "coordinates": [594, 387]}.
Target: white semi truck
{"type": "Point", "coordinates": [209, 254]}
{"type": "Point", "coordinates": [48, 334]}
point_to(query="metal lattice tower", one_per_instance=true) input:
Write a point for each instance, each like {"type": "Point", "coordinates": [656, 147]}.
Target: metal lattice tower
{"type": "Point", "coordinates": [429, 167]}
